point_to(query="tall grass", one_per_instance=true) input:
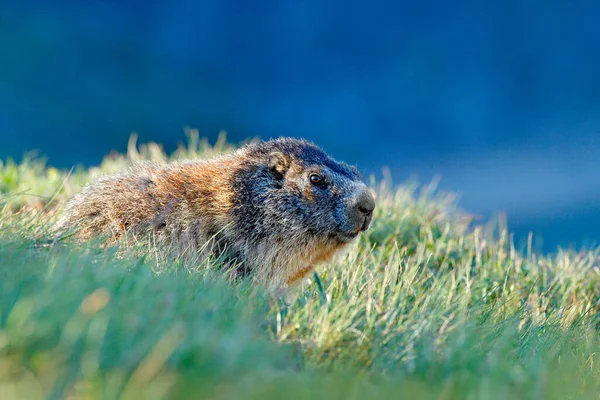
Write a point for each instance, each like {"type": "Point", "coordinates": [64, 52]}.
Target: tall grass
{"type": "Point", "coordinates": [425, 305]}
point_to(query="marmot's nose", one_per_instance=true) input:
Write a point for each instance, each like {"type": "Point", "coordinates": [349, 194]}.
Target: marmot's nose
{"type": "Point", "coordinates": [365, 202]}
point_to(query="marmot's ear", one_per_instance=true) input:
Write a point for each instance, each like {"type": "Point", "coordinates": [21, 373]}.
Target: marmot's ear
{"type": "Point", "coordinates": [278, 162]}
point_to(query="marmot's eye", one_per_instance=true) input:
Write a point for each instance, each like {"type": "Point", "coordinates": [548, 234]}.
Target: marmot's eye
{"type": "Point", "coordinates": [316, 180]}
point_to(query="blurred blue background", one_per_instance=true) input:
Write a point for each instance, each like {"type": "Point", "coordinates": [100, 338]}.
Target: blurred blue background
{"type": "Point", "coordinates": [501, 98]}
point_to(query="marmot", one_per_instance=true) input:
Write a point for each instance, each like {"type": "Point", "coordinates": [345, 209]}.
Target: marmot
{"type": "Point", "coordinates": [274, 208]}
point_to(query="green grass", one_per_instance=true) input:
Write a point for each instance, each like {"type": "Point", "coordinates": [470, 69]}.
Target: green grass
{"type": "Point", "coordinates": [425, 305]}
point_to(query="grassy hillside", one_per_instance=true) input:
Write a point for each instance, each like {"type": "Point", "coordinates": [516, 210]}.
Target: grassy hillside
{"type": "Point", "coordinates": [425, 305]}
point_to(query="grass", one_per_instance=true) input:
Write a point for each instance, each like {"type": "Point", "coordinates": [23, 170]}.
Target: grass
{"type": "Point", "coordinates": [425, 305]}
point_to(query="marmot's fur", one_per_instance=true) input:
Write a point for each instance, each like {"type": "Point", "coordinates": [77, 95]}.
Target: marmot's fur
{"type": "Point", "coordinates": [274, 208]}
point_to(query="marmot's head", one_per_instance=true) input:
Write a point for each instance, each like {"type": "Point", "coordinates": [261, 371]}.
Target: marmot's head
{"type": "Point", "coordinates": [289, 188]}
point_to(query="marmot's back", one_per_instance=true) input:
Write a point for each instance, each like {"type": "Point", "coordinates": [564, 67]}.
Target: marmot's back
{"type": "Point", "coordinates": [111, 205]}
{"type": "Point", "coordinates": [274, 208]}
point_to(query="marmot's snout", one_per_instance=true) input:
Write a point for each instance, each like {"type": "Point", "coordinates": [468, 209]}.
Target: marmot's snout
{"type": "Point", "coordinates": [363, 209]}
{"type": "Point", "coordinates": [359, 213]}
